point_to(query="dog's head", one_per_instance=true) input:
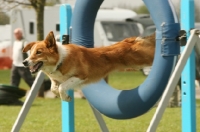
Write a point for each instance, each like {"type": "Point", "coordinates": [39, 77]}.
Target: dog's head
{"type": "Point", "coordinates": [42, 53]}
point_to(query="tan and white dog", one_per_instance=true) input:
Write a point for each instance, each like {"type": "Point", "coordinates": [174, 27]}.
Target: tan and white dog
{"type": "Point", "coordinates": [70, 66]}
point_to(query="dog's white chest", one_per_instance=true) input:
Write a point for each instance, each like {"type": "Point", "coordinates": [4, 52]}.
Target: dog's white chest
{"type": "Point", "coordinates": [57, 76]}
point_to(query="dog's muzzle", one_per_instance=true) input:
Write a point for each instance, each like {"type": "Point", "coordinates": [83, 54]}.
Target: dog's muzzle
{"type": "Point", "coordinates": [25, 62]}
{"type": "Point", "coordinates": [33, 67]}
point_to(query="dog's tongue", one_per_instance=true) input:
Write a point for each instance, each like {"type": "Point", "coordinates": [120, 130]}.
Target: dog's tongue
{"type": "Point", "coordinates": [32, 68]}
{"type": "Point", "coordinates": [35, 68]}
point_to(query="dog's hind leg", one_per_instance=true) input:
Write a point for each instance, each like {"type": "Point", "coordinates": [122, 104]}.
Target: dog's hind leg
{"type": "Point", "coordinates": [71, 83]}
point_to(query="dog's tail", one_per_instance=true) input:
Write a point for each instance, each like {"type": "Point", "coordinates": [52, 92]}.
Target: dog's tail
{"type": "Point", "coordinates": [143, 49]}
{"type": "Point", "coordinates": [145, 40]}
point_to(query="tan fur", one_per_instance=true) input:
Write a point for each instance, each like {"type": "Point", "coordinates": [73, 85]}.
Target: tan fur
{"type": "Point", "coordinates": [87, 65]}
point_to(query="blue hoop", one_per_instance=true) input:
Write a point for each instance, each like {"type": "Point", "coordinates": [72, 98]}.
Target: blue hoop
{"type": "Point", "coordinates": [125, 104]}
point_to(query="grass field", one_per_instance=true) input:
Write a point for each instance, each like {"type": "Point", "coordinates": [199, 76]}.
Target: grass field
{"type": "Point", "coordinates": [45, 114]}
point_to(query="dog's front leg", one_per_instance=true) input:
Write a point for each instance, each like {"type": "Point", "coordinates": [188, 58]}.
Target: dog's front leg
{"type": "Point", "coordinates": [69, 84]}
{"type": "Point", "coordinates": [54, 87]}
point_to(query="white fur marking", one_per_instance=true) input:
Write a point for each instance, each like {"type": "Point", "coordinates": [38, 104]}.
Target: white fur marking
{"type": "Point", "coordinates": [54, 88]}
{"type": "Point", "coordinates": [62, 54]}
{"type": "Point", "coordinates": [69, 84]}
{"type": "Point", "coordinates": [138, 38]}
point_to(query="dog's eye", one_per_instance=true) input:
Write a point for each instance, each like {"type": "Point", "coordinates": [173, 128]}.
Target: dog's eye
{"type": "Point", "coordinates": [38, 52]}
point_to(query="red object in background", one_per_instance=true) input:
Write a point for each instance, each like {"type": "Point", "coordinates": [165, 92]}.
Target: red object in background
{"type": "Point", "coordinates": [5, 55]}
{"type": "Point", "coordinates": [5, 63]}
{"type": "Point", "coordinates": [3, 50]}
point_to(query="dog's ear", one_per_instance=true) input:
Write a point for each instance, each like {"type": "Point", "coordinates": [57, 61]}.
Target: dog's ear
{"type": "Point", "coordinates": [50, 40]}
{"type": "Point", "coordinates": [28, 47]}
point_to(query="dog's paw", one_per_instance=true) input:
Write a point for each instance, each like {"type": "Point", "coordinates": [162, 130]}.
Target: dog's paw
{"type": "Point", "coordinates": [67, 98]}
{"type": "Point", "coordinates": [54, 89]}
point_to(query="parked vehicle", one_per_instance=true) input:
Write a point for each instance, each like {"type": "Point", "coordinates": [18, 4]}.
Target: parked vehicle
{"type": "Point", "coordinates": [149, 30]}
{"type": "Point", "coordinates": [111, 25]}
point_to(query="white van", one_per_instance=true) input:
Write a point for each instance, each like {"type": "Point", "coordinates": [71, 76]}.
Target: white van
{"type": "Point", "coordinates": [111, 25]}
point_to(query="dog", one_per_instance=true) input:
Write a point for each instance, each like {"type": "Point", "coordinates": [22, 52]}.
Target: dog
{"type": "Point", "coordinates": [70, 66]}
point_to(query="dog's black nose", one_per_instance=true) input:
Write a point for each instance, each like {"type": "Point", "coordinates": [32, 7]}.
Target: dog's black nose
{"type": "Point", "coordinates": [25, 62]}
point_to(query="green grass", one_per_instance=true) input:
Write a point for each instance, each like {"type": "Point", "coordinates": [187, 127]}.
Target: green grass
{"type": "Point", "coordinates": [126, 80]}
{"type": "Point", "coordinates": [119, 80]}
{"type": "Point", "coordinates": [5, 79]}
{"type": "Point", "coordinates": [45, 114]}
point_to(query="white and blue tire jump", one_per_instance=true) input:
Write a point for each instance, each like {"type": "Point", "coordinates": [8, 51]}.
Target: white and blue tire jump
{"type": "Point", "coordinates": [126, 104]}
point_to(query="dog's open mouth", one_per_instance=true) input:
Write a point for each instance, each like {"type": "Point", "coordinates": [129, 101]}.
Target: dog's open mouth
{"type": "Point", "coordinates": [36, 67]}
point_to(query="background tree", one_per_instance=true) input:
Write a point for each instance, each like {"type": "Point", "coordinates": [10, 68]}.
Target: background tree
{"type": "Point", "coordinates": [38, 6]}
{"type": "Point", "coordinates": [4, 18]}
{"type": "Point", "coordinates": [141, 10]}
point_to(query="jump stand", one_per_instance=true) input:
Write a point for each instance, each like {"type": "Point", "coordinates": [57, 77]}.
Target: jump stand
{"type": "Point", "coordinates": [126, 104]}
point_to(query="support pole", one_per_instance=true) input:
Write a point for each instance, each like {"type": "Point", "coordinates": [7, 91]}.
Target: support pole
{"type": "Point", "coordinates": [173, 82]}
{"type": "Point", "coordinates": [67, 107]}
{"type": "Point", "coordinates": [99, 119]}
{"type": "Point", "coordinates": [188, 101]}
{"type": "Point", "coordinates": [28, 102]}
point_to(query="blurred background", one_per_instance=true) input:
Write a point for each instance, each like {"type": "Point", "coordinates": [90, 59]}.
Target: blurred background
{"type": "Point", "coordinates": [115, 21]}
